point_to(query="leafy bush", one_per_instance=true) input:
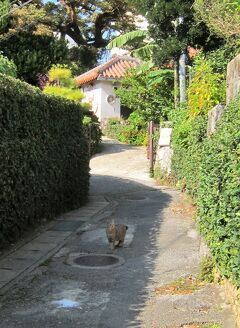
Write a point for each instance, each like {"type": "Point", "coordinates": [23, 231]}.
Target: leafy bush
{"type": "Point", "coordinates": [62, 84]}
{"type": "Point", "coordinates": [60, 73]}
{"type": "Point", "coordinates": [67, 93]}
{"type": "Point", "coordinates": [7, 66]}
{"type": "Point", "coordinates": [207, 88]}
{"type": "Point", "coordinates": [132, 131]}
{"type": "Point", "coordinates": [221, 57]}
{"type": "Point", "coordinates": [219, 193]}
{"type": "Point", "coordinates": [92, 131]}
{"type": "Point", "coordinates": [153, 101]}
{"type": "Point", "coordinates": [210, 168]}
{"type": "Point", "coordinates": [44, 159]}
{"type": "Point", "coordinates": [113, 128]}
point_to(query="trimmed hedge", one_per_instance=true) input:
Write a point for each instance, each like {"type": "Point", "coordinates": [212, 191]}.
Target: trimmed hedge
{"type": "Point", "coordinates": [44, 160]}
{"type": "Point", "coordinates": [92, 131]}
{"type": "Point", "coordinates": [210, 168]}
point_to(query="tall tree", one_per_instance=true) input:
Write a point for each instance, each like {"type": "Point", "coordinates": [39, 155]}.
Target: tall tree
{"type": "Point", "coordinates": [4, 10]}
{"type": "Point", "coordinates": [91, 21]}
{"type": "Point", "coordinates": [33, 54]}
{"type": "Point", "coordinates": [221, 16]}
{"type": "Point", "coordinates": [88, 24]}
{"type": "Point", "coordinates": [173, 27]}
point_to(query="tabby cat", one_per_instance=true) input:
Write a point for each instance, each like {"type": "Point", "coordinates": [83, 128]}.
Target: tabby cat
{"type": "Point", "coordinates": [115, 234]}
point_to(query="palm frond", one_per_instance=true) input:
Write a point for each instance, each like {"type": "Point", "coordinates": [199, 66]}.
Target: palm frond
{"type": "Point", "coordinates": [157, 76]}
{"type": "Point", "coordinates": [145, 67]}
{"type": "Point", "coordinates": [160, 72]}
{"type": "Point", "coordinates": [144, 52]}
{"type": "Point", "coordinates": [127, 38]}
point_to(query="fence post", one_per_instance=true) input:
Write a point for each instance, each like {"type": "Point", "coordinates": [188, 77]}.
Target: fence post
{"type": "Point", "coordinates": [151, 148]}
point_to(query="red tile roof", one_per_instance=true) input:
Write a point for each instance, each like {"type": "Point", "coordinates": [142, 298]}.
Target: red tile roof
{"type": "Point", "coordinates": [192, 52]}
{"type": "Point", "coordinates": [115, 68]}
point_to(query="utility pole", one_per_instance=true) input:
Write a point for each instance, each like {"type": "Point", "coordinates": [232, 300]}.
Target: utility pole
{"type": "Point", "coordinates": [182, 77]}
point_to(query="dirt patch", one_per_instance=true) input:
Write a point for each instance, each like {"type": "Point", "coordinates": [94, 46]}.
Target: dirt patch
{"type": "Point", "coordinates": [182, 286]}
{"type": "Point", "coordinates": [184, 206]}
{"type": "Point", "coordinates": [198, 325]}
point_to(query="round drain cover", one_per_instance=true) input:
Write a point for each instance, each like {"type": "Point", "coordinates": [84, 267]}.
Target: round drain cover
{"type": "Point", "coordinates": [95, 261]}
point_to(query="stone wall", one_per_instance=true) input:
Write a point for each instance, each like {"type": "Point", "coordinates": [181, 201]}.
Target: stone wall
{"type": "Point", "coordinates": [233, 78]}
{"type": "Point", "coordinates": [233, 297]}
{"type": "Point", "coordinates": [164, 151]}
{"type": "Point", "coordinates": [213, 117]}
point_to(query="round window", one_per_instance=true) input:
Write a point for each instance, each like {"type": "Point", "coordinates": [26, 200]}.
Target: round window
{"type": "Point", "coordinates": [111, 99]}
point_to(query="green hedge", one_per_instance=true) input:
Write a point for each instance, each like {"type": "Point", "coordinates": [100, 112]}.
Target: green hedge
{"type": "Point", "coordinates": [92, 131]}
{"type": "Point", "coordinates": [44, 161]}
{"type": "Point", "coordinates": [210, 168]}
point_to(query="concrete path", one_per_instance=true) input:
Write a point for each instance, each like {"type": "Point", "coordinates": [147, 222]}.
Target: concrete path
{"type": "Point", "coordinates": [43, 287]}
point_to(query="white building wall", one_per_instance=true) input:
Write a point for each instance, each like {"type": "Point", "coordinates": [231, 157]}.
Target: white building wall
{"type": "Point", "coordinates": [92, 93]}
{"type": "Point", "coordinates": [108, 110]}
{"type": "Point", "coordinates": [97, 94]}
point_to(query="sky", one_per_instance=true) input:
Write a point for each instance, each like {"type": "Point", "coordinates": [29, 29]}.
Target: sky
{"type": "Point", "coordinates": [45, 1]}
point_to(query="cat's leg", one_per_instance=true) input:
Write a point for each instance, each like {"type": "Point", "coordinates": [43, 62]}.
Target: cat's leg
{"type": "Point", "coordinates": [120, 243]}
{"type": "Point", "coordinates": [112, 245]}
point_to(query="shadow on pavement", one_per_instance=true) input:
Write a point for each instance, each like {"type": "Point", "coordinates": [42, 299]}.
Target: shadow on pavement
{"type": "Point", "coordinates": [113, 147]}
{"type": "Point", "coordinates": [110, 298]}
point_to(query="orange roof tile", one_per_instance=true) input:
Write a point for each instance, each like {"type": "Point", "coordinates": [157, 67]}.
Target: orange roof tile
{"type": "Point", "coordinates": [115, 68]}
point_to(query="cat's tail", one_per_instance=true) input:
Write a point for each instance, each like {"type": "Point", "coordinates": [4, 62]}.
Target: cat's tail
{"type": "Point", "coordinates": [126, 227]}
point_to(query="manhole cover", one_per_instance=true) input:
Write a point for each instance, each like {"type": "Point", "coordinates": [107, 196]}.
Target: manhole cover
{"type": "Point", "coordinates": [95, 261]}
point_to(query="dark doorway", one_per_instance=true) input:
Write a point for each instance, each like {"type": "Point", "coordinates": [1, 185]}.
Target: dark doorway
{"type": "Point", "coordinates": [125, 112]}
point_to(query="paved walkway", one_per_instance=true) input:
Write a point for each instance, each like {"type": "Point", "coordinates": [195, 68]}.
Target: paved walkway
{"type": "Point", "coordinates": [40, 287]}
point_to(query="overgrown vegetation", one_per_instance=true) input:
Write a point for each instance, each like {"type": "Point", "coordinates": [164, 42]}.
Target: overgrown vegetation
{"type": "Point", "coordinates": [162, 177]}
{"type": "Point", "coordinates": [153, 101]}
{"type": "Point", "coordinates": [132, 131]}
{"type": "Point", "coordinates": [147, 93]}
{"type": "Point", "coordinates": [209, 169]}
{"type": "Point", "coordinates": [207, 88]}
{"type": "Point", "coordinates": [44, 157]}
{"type": "Point", "coordinates": [206, 269]}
